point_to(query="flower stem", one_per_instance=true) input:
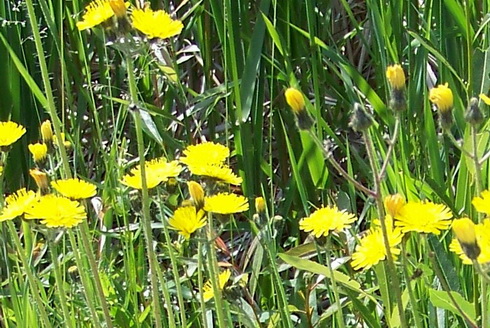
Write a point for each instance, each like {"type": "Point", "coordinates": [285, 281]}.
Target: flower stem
{"type": "Point", "coordinates": [340, 316]}
{"type": "Point", "coordinates": [395, 281]}
{"type": "Point", "coordinates": [200, 279]}
{"type": "Point", "coordinates": [413, 300]}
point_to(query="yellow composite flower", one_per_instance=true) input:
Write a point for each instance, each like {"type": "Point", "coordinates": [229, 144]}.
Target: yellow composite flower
{"type": "Point", "coordinates": [57, 211]}
{"type": "Point", "coordinates": [197, 194]}
{"type": "Point", "coordinates": [10, 132]}
{"type": "Point", "coordinates": [260, 205]}
{"type": "Point", "coordinates": [17, 203]}
{"type": "Point", "coordinates": [156, 24]}
{"type": "Point", "coordinates": [371, 249]}
{"type": "Point", "coordinates": [74, 188]}
{"type": "Point", "coordinates": [41, 179]}
{"type": "Point", "coordinates": [47, 132]}
{"type": "Point", "coordinates": [482, 232]}
{"type": "Point", "coordinates": [186, 220]}
{"type": "Point", "coordinates": [326, 219]}
{"type": "Point", "coordinates": [219, 172]}
{"type": "Point", "coordinates": [156, 171]}
{"type": "Point", "coordinates": [482, 203]}
{"type": "Point", "coordinates": [223, 278]}
{"type": "Point", "coordinates": [424, 217]}
{"type": "Point", "coordinates": [465, 231]}
{"type": "Point", "coordinates": [485, 98]}
{"type": "Point", "coordinates": [225, 203]}
{"type": "Point", "coordinates": [38, 151]}
{"type": "Point", "coordinates": [442, 97]}
{"type": "Point", "coordinates": [395, 76]}
{"type": "Point", "coordinates": [295, 100]}
{"type": "Point", "coordinates": [393, 204]}
{"type": "Point", "coordinates": [205, 154]}
{"type": "Point", "coordinates": [97, 12]}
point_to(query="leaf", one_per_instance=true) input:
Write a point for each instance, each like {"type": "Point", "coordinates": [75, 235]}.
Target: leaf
{"type": "Point", "coordinates": [440, 299]}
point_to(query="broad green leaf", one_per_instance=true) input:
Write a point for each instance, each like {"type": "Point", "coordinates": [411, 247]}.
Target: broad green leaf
{"type": "Point", "coordinates": [441, 299]}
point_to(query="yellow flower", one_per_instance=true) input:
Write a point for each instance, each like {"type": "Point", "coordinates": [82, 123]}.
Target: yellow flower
{"type": "Point", "coordinates": [118, 7]}
{"type": "Point", "coordinates": [395, 76]}
{"type": "Point", "coordinates": [187, 220]}
{"type": "Point", "coordinates": [97, 12]}
{"type": "Point", "coordinates": [204, 154]}
{"type": "Point", "coordinates": [41, 179]}
{"type": "Point", "coordinates": [156, 24]}
{"type": "Point", "coordinates": [485, 98]}
{"type": "Point", "coordinates": [482, 232]}
{"type": "Point", "coordinates": [17, 203]}
{"type": "Point", "coordinates": [66, 143]}
{"type": "Point", "coordinates": [57, 211]}
{"type": "Point", "coordinates": [325, 219]}
{"type": "Point", "coordinates": [223, 278]}
{"type": "Point", "coordinates": [371, 249]}
{"type": "Point", "coordinates": [393, 204]}
{"type": "Point", "coordinates": [38, 151]}
{"type": "Point", "coordinates": [442, 97]}
{"type": "Point", "coordinates": [465, 232]}
{"type": "Point", "coordinates": [482, 204]}
{"type": "Point", "coordinates": [74, 188]}
{"type": "Point", "coordinates": [47, 132]}
{"type": "Point", "coordinates": [219, 172]}
{"type": "Point", "coordinates": [295, 100]}
{"type": "Point", "coordinates": [197, 194]}
{"type": "Point", "coordinates": [156, 171]}
{"type": "Point", "coordinates": [260, 205]}
{"type": "Point", "coordinates": [225, 203]}
{"type": "Point", "coordinates": [10, 132]}
{"type": "Point", "coordinates": [424, 217]}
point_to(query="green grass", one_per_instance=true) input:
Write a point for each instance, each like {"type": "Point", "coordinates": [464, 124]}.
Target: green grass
{"type": "Point", "coordinates": [223, 79]}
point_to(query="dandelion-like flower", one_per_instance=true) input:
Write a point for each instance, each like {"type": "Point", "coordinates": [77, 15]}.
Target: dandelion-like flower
{"type": "Point", "coordinates": [393, 204]}
{"type": "Point", "coordinates": [395, 76]}
{"type": "Point", "coordinates": [442, 97]}
{"type": "Point", "coordinates": [326, 219]}
{"type": "Point", "coordinates": [482, 234]}
{"type": "Point", "coordinates": [205, 154]}
{"type": "Point", "coordinates": [10, 132]}
{"type": "Point", "coordinates": [96, 12]}
{"type": "Point", "coordinates": [38, 151]}
{"type": "Point", "coordinates": [371, 249]}
{"type": "Point", "coordinates": [57, 211]}
{"type": "Point", "coordinates": [225, 203]}
{"type": "Point", "coordinates": [197, 194]}
{"type": "Point", "coordinates": [424, 217]}
{"type": "Point", "coordinates": [222, 173]}
{"type": "Point", "coordinates": [223, 278]}
{"type": "Point", "coordinates": [186, 220]}
{"type": "Point", "coordinates": [74, 188]}
{"type": "Point", "coordinates": [482, 203]}
{"type": "Point", "coordinates": [156, 171]}
{"type": "Point", "coordinates": [156, 24]}
{"type": "Point", "coordinates": [465, 232]}
{"type": "Point", "coordinates": [295, 100]}
{"type": "Point", "coordinates": [17, 203]}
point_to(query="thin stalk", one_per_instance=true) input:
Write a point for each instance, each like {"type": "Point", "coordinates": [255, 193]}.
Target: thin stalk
{"type": "Point", "coordinates": [30, 277]}
{"type": "Point", "coordinates": [413, 300]}
{"type": "Point", "coordinates": [391, 146]}
{"type": "Point", "coordinates": [147, 232]}
{"type": "Point", "coordinates": [59, 282]}
{"type": "Point", "coordinates": [84, 232]}
{"type": "Point", "coordinates": [200, 282]}
{"type": "Point", "coordinates": [340, 316]}
{"type": "Point", "coordinates": [213, 272]}
{"type": "Point", "coordinates": [395, 281]}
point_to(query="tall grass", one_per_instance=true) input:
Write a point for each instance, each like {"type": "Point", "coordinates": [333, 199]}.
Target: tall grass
{"type": "Point", "coordinates": [223, 79]}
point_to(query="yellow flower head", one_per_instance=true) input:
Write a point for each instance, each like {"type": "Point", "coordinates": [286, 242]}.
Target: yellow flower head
{"type": "Point", "coordinates": [38, 151]}
{"type": "Point", "coordinates": [371, 249]}
{"type": "Point", "coordinates": [186, 220]}
{"type": "Point", "coordinates": [482, 203]}
{"type": "Point", "coordinates": [41, 179]}
{"type": "Point", "coordinates": [10, 132]}
{"type": "Point", "coordinates": [424, 217]}
{"type": "Point", "coordinates": [295, 100]}
{"type": "Point", "coordinates": [97, 12]}
{"type": "Point", "coordinates": [74, 188]}
{"type": "Point", "coordinates": [225, 203]}
{"type": "Point", "coordinates": [156, 171]}
{"type": "Point", "coordinates": [222, 173]}
{"type": "Point", "coordinates": [482, 232]}
{"type": "Point", "coordinates": [223, 278]}
{"type": "Point", "coordinates": [57, 211]}
{"type": "Point", "coordinates": [66, 143]}
{"type": "Point", "coordinates": [442, 97]}
{"type": "Point", "coordinates": [47, 132]}
{"type": "Point", "coordinates": [393, 204]}
{"type": "Point", "coordinates": [17, 203]}
{"type": "Point", "coordinates": [118, 7]}
{"type": "Point", "coordinates": [326, 219]}
{"type": "Point", "coordinates": [156, 24]}
{"type": "Point", "coordinates": [197, 193]}
{"type": "Point", "coordinates": [260, 205]}
{"type": "Point", "coordinates": [395, 76]}
{"type": "Point", "coordinates": [204, 154]}
{"type": "Point", "coordinates": [465, 232]}
{"type": "Point", "coordinates": [485, 98]}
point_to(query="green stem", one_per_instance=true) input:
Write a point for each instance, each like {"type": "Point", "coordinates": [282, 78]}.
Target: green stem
{"type": "Point", "coordinates": [395, 281]}
{"type": "Point", "coordinates": [413, 300]}
{"type": "Point", "coordinates": [30, 277]}
{"type": "Point", "coordinates": [340, 316]}
{"type": "Point", "coordinates": [59, 282]}
{"type": "Point", "coordinates": [200, 278]}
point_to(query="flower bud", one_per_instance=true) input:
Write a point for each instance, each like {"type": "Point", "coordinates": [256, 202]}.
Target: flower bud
{"type": "Point", "coordinates": [260, 205]}
{"type": "Point", "coordinates": [118, 7]}
{"type": "Point", "coordinates": [360, 120]}
{"type": "Point", "coordinates": [38, 151]}
{"type": "Point", "coordinates": [396, 77]}
{"type": "Point", "coordinates": [473, 114]}
{"type": "Point", "coordinates": [295, 100]}
{"type": "Point", "coordinates": [464, 229]}
{"type": "Point", "coordinates": [442, 97]}
{"type": "Point", "coordinates": [393, 204]}
{"type": "Point", "coordinates": [47, 132]}
{"type": "Point", "coordinates": [41, 179]}
{"type": "Point", "coordinates": [197, 194]}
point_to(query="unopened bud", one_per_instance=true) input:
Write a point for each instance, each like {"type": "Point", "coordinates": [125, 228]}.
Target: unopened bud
{"type": "Point", "coordinates": [473, 114]}
{"type": "Point", "coordinates": [197, 194]}
{"type": "Point", "coordinates": [295, 100]}
{"type": "Point", "coordinates": [464, 229]}
{"type": "Point", "coordinates": [47, 132]}
{"type": "Point", "coordinates": [360, 120]}
{"type": "Point", "coordinates": [41, 179]}
{"type": "Point", "coordinates": [260, 205]}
